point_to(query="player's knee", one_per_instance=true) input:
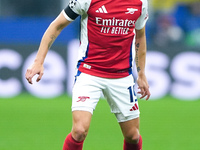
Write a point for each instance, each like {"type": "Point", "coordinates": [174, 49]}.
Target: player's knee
{"type": "Point", "coordinates": [79, 133]}
{"type": "Point", "coordinates": [132, 137]}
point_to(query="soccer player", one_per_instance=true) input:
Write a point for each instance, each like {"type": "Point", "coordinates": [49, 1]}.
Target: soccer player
{"type": "Point", "coordinates": [108, 29]}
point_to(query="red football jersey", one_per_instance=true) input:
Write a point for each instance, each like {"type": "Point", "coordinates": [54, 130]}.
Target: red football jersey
{"type": "Point", "coordinates": [107, 34]}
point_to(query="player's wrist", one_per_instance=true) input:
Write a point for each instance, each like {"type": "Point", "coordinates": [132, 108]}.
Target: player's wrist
{"type": "Point", "coordinates": [141, 73]}
{"type": "Point", "coordinates": [38, 61]}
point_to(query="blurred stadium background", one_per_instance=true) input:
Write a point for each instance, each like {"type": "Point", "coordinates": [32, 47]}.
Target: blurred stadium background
{"type": "Point", "coordinates": [38, 117]}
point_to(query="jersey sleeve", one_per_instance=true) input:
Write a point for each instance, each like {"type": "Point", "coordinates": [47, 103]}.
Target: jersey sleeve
{"type": "Point", "coordinates": [141, 21]}
{"type": "Point", "coordinates": [76, 8]}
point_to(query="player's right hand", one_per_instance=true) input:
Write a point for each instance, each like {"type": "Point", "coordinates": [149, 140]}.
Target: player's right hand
{"type": "Point", "coordinates": [33, 70]}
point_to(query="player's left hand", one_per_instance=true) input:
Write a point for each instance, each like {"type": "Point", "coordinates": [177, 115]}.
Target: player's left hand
{"type": "Point", "coordinates": [143, 86]}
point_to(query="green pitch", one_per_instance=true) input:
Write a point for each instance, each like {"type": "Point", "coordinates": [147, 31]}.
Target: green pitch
{"type": "Point", "coordinates": [29, 123]}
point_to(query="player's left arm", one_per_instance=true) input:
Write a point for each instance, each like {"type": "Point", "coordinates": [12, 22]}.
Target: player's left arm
{"type": "Point", "coordinates": [140, 59]}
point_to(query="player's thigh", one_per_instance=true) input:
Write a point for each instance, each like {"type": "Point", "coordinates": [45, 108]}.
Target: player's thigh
{"type": "Point", "coordinates": [130, 129]}
{"type": "Point", "coordinates": [86, 93]}
{"type": "Point", "coordinates": [122, 99]}
{"type": "Point", "coordinates": [81, 124]}
{"type": "Point", "coordinates": [81, 120]}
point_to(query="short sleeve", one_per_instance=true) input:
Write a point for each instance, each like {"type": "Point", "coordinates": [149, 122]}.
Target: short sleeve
{"type": "Point", "coordinates": [140, 23]}
{"type": "Point", "coordinates": [76, 8]}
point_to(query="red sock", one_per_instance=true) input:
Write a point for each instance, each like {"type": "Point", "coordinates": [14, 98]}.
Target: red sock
{"type": "Point", "coordinates": [128, 146]}
{"type": "Point", "coordinates": [71, 144]}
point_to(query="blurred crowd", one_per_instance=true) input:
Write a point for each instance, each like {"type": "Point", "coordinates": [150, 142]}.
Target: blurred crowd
{"type": "Point", "coordinates": [171, 21]}
{"type": "Point", "coordinates": [29, 8]}
{"type": "Point", "coordinates": [175, 22]}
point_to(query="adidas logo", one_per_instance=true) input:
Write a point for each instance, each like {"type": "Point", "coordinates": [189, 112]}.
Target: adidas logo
{"type": "Point", "coordinates": [102, 9]}
{"type": "Point", "coordinates": [135, 107]}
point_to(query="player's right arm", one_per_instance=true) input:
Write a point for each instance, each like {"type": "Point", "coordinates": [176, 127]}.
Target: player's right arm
{"type": "Point", "coordinates": [48, 38]}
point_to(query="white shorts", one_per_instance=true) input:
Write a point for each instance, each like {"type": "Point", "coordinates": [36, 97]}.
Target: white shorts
{"type": "Point", "coordinates": [119, 93]}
